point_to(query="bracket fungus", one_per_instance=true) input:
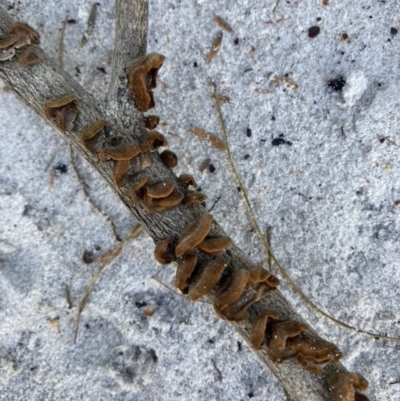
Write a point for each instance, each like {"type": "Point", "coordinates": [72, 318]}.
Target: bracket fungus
{"type": "Point", "coordinates": [142, 77]}
{"type": "Point", "coordinates": [62, 111]}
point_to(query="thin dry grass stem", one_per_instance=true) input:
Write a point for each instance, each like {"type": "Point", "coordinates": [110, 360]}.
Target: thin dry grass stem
{"type": "Point", "coordinates": [104, 261]}
{"type": "Point", "coordinates": [60, 50]}
{"type": "Point", "coordinates": [88, 197]}
{"type": "Point", "coordinates": [267, 247]}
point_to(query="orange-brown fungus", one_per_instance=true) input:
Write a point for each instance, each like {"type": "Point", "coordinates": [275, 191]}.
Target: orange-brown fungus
{"type": "Point", "coordinates": [210, 276]}
{"type": "Point", "coordinates": [231, 291]}
{"type": "Point", "coordinates": [125, 152]}
{"type": "Point", "coordinates": [280, 332]}
{"type": "Point", "coordinates": [164, 252]}
{"type": "Point", "coordinates": [259, 327]}
{"type": "Point", "coordinates": [119, 169]}
{"type": "Point", "coordinates": [169, 201]}
{"type": "Point", "coordinates": [313, 353]}
{"type": "Point", "coordinates": [160, 189]}
{"type": "Point", "coordinates": [153, 140]}
{"type": "Point", "coordinates": [151, 121]}
{"type": "Point", "coordinates": [28, 58]}
{"type": "Point", "coordinates": [92, 130]}
{"type": "Point", "coordinates": [215, 244]}
{"type": "Point", "coordinates": [141, 181]}
{"type": "Point", "coordinates": [194, 198]}
{"type": "Point", "coordinates": [62, 111]}
{"type": "Point", "coordinates": [25, 30]}
{"type": "Point", "coordinates": [169, 158]}
{"type": "Point", "coordinates": [9, 40]}
{"type": "Point", "coordinates": [142, 76]}
{"type": "Point", "coordinates": [187, 180]}
{"type": "Point", "coordinates": [345, 386]}
{"type": "Point", "coordinates": [193, 234]}
{"type": "Point", "coordinates": [186, 266]}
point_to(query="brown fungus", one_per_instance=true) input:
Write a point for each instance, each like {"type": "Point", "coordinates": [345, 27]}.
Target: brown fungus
{"type": "Point", "coordinates": [8, 41]}
{"type": "Point", "coordinates": [62, 111]}
{"type": "Point", "coordinates": [92, 130]}
{"type": "Point", "coordinates": [169, 158]}
{"type": "Point", "coordinates": [125, 152]}
{"type": "Point", "coordinates": [25, 30]}
{"type": "Point", "coordinates": [209, 277]}
{"type": "Point", "coordinates": [160, 189]}
{"type": "Point", "coordinates": [193, 234]}
{"type": "Point", "coordinates": [186, 266]}
{"type": "Point", "coordinates": [164, 252]}
{"type": "Point", "coordinates": [231, 291]}
{"type": "Point", "coordinates": [280, 332]}
{"type": "Point", "coordinates": [345, 385]}
{"type": "Point", "coordinates": [194, 198]}
{"type": "Point", "coordinates": [313, 353]}
{"type": "Point", "coordinates": [119, 170]}
{"type": "Point", "coordinates": [187, 180]}
{"type": "Point", "coordinates": [28, 58]}
{"type": "Point", "coordinates": [153, 140]}
{"type": "Point", "coordinates": [142, 76]}
{"type": "Point", "coordinates": [215, 244]}
{"type": "Point", "coordinates": [166, 203]}
{"type": "Point", "coordinates": [140, 182]}
{"type": "Point", "coordinates": [151, 121]}
{"type": "Point", "coordinates": [259, 327]}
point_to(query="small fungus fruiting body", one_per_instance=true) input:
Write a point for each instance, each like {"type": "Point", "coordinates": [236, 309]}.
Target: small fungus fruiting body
{"type": "Point", "coordinates": [163, 252]}
{"type": "Point", "coordinates": [169, 158]}
{"type": "Point", "coordinates": [28, 58]}
{"type": "Point", "coordinates": [186, 266]}
{"type": "Point", "coordinates": [153, 140]}
{"type": "Point", "coordinates": [231, 291]}
{"type": "Point", "coordinates": [125, 152]}
{"type": "Point", "coordinates": [186, 180]}
{"type": "Point", "coordinates": [142, 76]}
{"type": "Point", "coordinates": [259, 328]}
{"type": "Point", "coordinates": [62, 111]}
{"type": "Point", "coordinates": [160, 189]}
{"type": "Point", "coordinates": [193, 234]}
{"type": "Point", "coordinates": [151, 121]}
{"type": "Point", "coordinates": [210, 276]}
{"type": "Point", "coordinates": [194, 198]}
{"type": "Point", "coordinates": [119, 169]}
{"type": "Point", "coordinates": [9, 40]}
{"type": "Point", "coordinates": [92, 130]}
{"type": "Point", "coordinates": [25, 30]}
{"type": "Point", "coordinates": [345, 386]}
{"type": "Point", "coordinates": [280, 332]}
{"type": "Point", "coordinates": [215, 244]}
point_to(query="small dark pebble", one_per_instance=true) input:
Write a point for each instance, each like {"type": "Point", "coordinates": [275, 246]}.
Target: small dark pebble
{"type": "Point", "coordinates": [194, 64]}
{"type": "Point", "coordinates": [77, 69]}
{"type": "Point", "coordinates": [87, 257]}
{"type": "Point", "coordinates": [273, 118]}
{"type": "Point", "coordinates": [246, 157]}
{"type": "Point", "coordinates": [101, 69]}
{"type": "Point", "coordinates": [251, 394]}
{"type": "Point", "coordinates": [313, 31]}
{"type": "Point", "coordinates": [62, 168]}
{"type": "Point", "coordinates": [280, 141]}
{"type": "Point", "coordinates": [248, 132]}
{"type": "Point", "coordinates": [393, 31]}
{"type": "Point", "coordinates": [140, 304]}
{"type": "Point", "coordinates": [345, 37]}
{"type": "Point", "coordinates": [71, 21]}
{"type": "Point", "coordinates": [211, 168]}
{"type": "Point", "coordinates": [236, 41]}
{"type": "Point", "coordinates": [239, 189]}
{"type": "Point", "coordinates": [337, 84]}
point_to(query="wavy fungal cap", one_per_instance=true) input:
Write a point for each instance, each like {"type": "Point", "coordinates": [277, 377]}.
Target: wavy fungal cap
{"type": "Point", "coordinates": [142, 76]}
{"type": "Point", "coordinates": [193, 234]}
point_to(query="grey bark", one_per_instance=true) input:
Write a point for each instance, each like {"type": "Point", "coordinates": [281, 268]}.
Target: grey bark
{"type": "Point", "coordinates": [45, 81]}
